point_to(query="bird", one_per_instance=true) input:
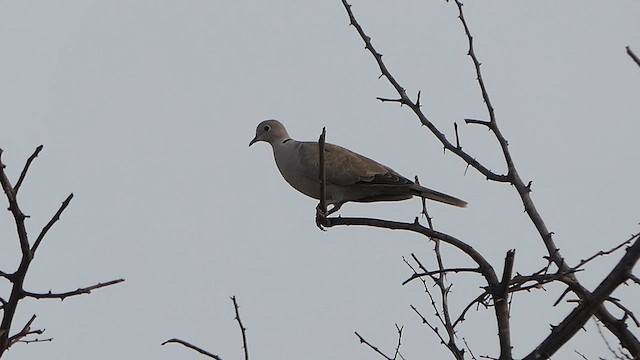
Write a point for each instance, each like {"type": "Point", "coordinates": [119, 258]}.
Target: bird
{"type": "Point", "coordinates": [349, 175]}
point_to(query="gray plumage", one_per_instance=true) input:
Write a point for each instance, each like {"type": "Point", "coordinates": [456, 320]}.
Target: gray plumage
{"type": "Point", "coordinates": [350, 176]}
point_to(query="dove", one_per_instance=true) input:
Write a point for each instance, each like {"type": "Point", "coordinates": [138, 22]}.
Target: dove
{"type": "Point", "coordinates": [349, 176]}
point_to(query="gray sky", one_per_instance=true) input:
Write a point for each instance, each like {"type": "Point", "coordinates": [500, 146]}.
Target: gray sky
{"type": "Point", "coordinates": [145, 109]}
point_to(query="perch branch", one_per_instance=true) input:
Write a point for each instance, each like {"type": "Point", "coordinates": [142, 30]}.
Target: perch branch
{"type": "Point", "coordinates": [321, 212]}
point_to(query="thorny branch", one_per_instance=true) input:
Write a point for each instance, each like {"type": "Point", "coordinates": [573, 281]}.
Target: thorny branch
{"type": "Point", "coordinates": [415, 106]}
{"type": "Point", "coordinates": [192, 347]}
{"type": "Point", "coordinates": [633, 56]}
{"type": "Point", "coordinates": [17, 278]}
{"type": "Point", "coordinates": [243, 330]}
{"type": "Point", "coordinates": [442, 312]}
{"type": "Point", "coordinates": [396, 352]}
{"type": "Point", "coordinates": [565, 272]}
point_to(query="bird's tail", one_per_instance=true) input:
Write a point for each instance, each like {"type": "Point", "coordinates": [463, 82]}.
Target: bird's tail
{"type": "Point", "coordinates": [438, 196]}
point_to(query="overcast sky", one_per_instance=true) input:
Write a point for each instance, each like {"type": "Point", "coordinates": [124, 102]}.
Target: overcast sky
{"type": "Point", "coordinates": [145, 110]}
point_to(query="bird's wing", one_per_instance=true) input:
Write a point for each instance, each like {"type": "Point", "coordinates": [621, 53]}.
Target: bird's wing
{"type": "Point", "coordinates": [345, 167]}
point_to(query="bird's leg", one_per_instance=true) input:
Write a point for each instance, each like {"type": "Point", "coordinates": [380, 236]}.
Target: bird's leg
{"type": "Point", "coordinates": [321, 217]}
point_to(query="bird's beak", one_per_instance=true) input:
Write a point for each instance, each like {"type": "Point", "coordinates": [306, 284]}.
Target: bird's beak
{"type": "Point", "coordinates": [255, 140]}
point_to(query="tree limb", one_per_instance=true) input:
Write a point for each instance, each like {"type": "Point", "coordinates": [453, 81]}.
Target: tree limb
{"type": "Point", "coordinates": [192, 347]}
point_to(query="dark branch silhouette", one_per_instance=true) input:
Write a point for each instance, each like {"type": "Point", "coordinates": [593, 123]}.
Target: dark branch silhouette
{"type": "Point", "coordinates": [243, 331]}
{"type": "Point", "coordinates": [17, 278]}
{"type": "Point", "coordinates": [192, 347]}
{"type": "Point", "coordinates": [498, 290]}
{"type": "Point", "coordinates": [633, 56]}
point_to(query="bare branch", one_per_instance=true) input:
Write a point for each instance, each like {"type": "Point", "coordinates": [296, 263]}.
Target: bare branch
{"type": "Point", "coordinates": [605, 252]}
{"type": "Point", "coordinates": [473, 357]}
{"type": "Point", "coordinates": [415, 107]}
{"type": "Point", "coordinates": [192, 347]}
{"type": "Point", "coordinates": [18, 215]}
{"type": "Point", "coordinates": [321, 211]}
{"type": "Point", "coordinates": [484, 265]}
{"type": "Point", "coordinates": [580, 354]}
{"type": "Point", "coordinates": [26, 331]}
{"type": "Point", "coordinates": [479, 300]}
{"type": "Point", "coordinates": [620, 355]}
{"type": "Point", "coordinates": [64, 295]}
{"type": "Point", "coordinates": [23, 174]}
{"type": "Point", "coordinates": [455, 129]}
{"type": "Point", "coordinates": [478, 122]}
{"type": "Point", "coordinates": [581, 314]}
{"type": "Point", "coordinates": [437, 272]}
{"type": "Point", "coordinates": [242, 328]}
{"type": "Point", "coordinates": [501, 307]}
{"type": "Point", "coordinates": [396, 353]}
{"type": "Point", "coordinates": [50, 224]}
{"type": "Point", "coordinates": [627, 311]}
{"type": "Point", "coordinates": [378, 351]}
{"type": "Point", "coordinates": [628, 339]}
{"type": "Point", "coordinates": [633, 56]}
{"type": "Point", "coordinates": [433, 328]}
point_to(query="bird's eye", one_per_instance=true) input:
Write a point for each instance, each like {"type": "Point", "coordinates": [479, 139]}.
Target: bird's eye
{"type": "Point", "coordinates": [266, 128]}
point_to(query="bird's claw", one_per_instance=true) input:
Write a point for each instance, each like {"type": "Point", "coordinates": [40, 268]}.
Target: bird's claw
{"type": "Point", "coordinates": [321, 218]}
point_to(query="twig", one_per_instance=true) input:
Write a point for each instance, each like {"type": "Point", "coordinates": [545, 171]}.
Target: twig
{"type": "Point", "coordinates": [580, 354]}
{"type": "Point", "coordinates": [455, 129]}
{"type": "Point", "coordinates": [433, 328]}
{"type": "Point", "coordinates": [397, 351]}
{"type": "Point", "coordinates": [23, 174]}
{"type": "Point", "coordinates": [321, 213]}
{"type": "Point", "coordinates": [605, 252]}
{"type": "Point", "coordinates": [18, 215]}
{"type": "Point", "coordinates": [627, 311]}
{"type": "Point", "coordinates": [192, 347]}
{"type": "Point", "coordinates": [473, 357]}
{"type": "Point", "coordinates": [443, 271]}
{"type": "Point", "coordinates": [441, 282]}
{"type": "Point", "coordinates": [633, 56]}
{"type": "Point", "coordinates": [479, 300]}
{"type": "Point", "coordinates": [372, 347]}
{"type": "Point", "coordinates": [621, 355]}
{"type": "Point", "coordinates": [425, 213]}
{"type": "Point", "coordinates": [26, 330]}
{"type": "Point", "coordinates": [50, 224]}
{"type": "Point", "coordinates": [242, 328]}
{"type": "Point", "coordinates": [64, 295]}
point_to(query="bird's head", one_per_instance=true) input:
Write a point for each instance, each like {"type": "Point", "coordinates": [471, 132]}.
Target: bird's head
{"type": "Point", "coordinates": [271, 131]}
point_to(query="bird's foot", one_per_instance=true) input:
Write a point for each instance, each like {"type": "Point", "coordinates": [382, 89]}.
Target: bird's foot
{"type": "Point", "coordinates": [321, 217]}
